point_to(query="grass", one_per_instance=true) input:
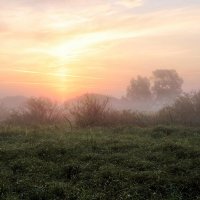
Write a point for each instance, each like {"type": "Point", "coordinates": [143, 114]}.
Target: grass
{"type": "Point", "coordinates": [100, 163]}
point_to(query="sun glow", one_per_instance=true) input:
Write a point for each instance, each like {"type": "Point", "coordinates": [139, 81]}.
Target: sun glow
{"type": "Point", "coordinates": [62, 72]}
{"type": "Point", "coordinates": [79, 45]}
{"type": "Point", "coordinates": [61, 77]}
{"type": "Point", "coordinates": [88, 43]}
{"type": "Point", "coordinates": [67, 48]}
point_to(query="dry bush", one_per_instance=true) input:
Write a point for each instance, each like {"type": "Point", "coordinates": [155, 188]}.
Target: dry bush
{"type": "Point", "coordinates": [112, 118]}
{"type": "Point", "coordinates": [37, 111]}
{"type": "Point", "coordinates": [93, 111]}
{"type": "Point", "coordinates": [165, 116]}
{"type": "Point", "coordinates": [145, 119]}
{"type": "Point", "coordinates": [4, 113]}
{"type": "Point", "coordinates": [185, 111]}
{"type": "Point", "coordinates": [90, 111]}
{"type": "Point", "coordinates": [118, 118]}
{"type": "Point", "coordinates": [125, 117]}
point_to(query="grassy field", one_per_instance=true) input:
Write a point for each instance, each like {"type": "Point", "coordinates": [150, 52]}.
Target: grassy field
{"type": "Point", "coordinates": [100, 163]}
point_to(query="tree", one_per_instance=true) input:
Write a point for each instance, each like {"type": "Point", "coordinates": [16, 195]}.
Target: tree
{"type": "Point", "coordinates": [139, 89]}
{"type": "Point", "coordinates": [167, 85]}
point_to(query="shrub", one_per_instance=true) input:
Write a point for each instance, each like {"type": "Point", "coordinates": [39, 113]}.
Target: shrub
{"type": "Point", "coordinates": [4, 113]}
{"type": "Point", "coordinates": [90, 111]}
{"type": "Point", "coordinates": [184, 111]}
{"type": "Point", "coordinates": [37, 111]}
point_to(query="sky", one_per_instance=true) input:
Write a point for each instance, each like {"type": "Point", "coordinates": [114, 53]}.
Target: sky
{"type": "Point", "coordinates": [64, 48]}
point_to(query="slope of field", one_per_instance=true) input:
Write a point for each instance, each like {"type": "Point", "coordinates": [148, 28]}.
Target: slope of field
{"type": "Point", "coordinates": [114, 163]}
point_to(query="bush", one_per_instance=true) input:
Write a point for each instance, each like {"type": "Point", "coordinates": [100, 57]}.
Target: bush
{"type": "Point", "coordinates": [37, 111]}
{"type": "Point", "coordinates": [90, 111]}
{"type": "Point", "coordinates": [185, 111]}
{"type": "Point", "coordinates": [4, 113]}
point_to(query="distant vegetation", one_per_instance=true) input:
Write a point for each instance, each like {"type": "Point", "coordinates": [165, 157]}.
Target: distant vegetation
{"type": "Point", "coordinates": [91, 111]}
{"type": "Point", "coordinates": [162, 90]}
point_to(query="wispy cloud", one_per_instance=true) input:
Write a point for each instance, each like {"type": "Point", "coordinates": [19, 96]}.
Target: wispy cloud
{"type": "Point", "coordinates": [40, 37]}
{"type": "Point", "coordinates": [130, 3]}
{"type": "Point", "coordinates": [55, 74]}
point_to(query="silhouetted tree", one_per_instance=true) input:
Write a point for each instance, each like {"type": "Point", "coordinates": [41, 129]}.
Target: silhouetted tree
{"type": "Point", "coordinates": [139, 89]}
{"type": "Point", "coordinates": [167, 85]}
{"type": "Point", "coordinates": [90, 111]}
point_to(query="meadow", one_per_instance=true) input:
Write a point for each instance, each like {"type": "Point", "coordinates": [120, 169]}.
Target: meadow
{"type": "Point", "coordinates": [126, 162]}
{"type": "Point", "coordinates": [99, 100]}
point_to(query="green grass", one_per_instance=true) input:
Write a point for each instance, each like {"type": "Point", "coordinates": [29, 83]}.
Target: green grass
{"type": "Point", "coordinates": [101, 163]}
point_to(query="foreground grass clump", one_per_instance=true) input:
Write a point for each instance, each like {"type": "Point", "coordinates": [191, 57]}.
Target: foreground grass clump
{"type": "Point", "coordinates": [115, 163]}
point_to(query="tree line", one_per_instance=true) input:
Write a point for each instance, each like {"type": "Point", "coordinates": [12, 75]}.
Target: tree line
{"type": "Point", "coordinates": [164, 86]}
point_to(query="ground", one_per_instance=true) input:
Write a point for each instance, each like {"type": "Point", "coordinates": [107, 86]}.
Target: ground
{"type": "Point", "coordinates": [48, 163]}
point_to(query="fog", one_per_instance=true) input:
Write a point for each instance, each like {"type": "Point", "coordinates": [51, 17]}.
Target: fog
{"type": "Point", "coordinates": [99, 99]}
{"type": "Point", "coordinates": [148, 101]}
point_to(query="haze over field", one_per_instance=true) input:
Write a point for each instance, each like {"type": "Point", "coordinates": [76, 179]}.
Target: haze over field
{"type": "Point", "coordinates": [99, 99]}
{"type": "Point", "coordinates": [64, 48]}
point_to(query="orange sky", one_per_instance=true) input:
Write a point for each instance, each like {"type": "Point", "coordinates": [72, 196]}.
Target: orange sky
{"type": "Point", "coordinates": [65, 48]}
